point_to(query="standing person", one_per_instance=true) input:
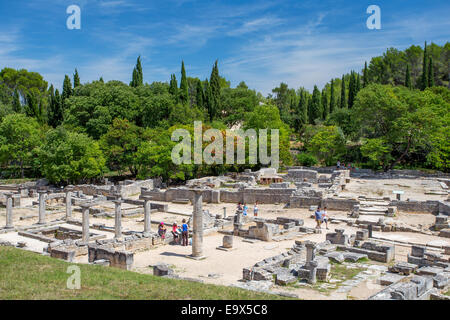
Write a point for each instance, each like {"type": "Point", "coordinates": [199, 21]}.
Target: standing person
{"type": "Point", "coordinates": [245, 209]}
{"type": "Point", "coordinates": [325, 217]}
{"type": "Point", "coordinates": [184, 233]}
{"type": "Point", "coordinates": [318, 216]}
{"type": "Point", "coordinates": [255, 209]}
{"type": "Point", "coordinates": [239, 207]}
{"type": "Point", "coordinates": [176, 235]}
{"type": "Point", "coordinates": [338, 165]}
{"type": "Point", "coordinates": [162, 231]}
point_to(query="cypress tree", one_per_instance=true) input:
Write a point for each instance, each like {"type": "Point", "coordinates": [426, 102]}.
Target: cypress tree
{"type": "Point", "coordinates": [332, 98]}
{"type": "Point", "coordinates": [101, 80]}
{"type": "Point", "coordinates": [365, 75]}
{"type": "Point", "coordinates": [55, 114]}
{"type": "Point", "coordinates": [315, 111]}
{"type": "Point", "coordinates": [302, 110]}
{"type": "Point", "coordinates": [184, 88]}
{"type": "Point", "coordinates": [173, 87]}
{"type": "Point", "coordinates": [208, 101]}
{"type": "Point", "coordinates": [408, 77]}
{"type": "Point", "coordinates": [430, 73]}
{"type": "Point", "coordinates": [424, 80]}
{"type": "Point", "coordinates": [76, 79]}
{"type": "Point", "coordinates": [351, 90]}
{"type": "Point", "coordinates": [67, 90]}
{"type": "Point", "coordinates": [137, 78]}
{"type": "Point", "coordinates": [343, 99]}
{"type": "Point", "coordinates": [324, 103]}
{"type": "Point", "coordinates": [17, 107]}
{"type": "Point", "coordinates": [199, 94]}
{"type": "Point", "coordinates": [358, 84]}
{"type": "Point", "coordinates": [215, 90]}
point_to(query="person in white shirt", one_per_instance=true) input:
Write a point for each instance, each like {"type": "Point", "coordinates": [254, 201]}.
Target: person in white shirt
{"type": "Point", "coordinates": [325, 217]}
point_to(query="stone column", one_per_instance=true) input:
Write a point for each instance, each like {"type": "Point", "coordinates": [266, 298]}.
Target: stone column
{"type": "Point", "coordinates": [85, 228]}
{"type": "Point", "coordinates": [68, 202]}
{"type": "Point", "coordinates": [118, 218]}
{"type": "Point", "coordinates": [9, 214]}
{"type": "Point", "coordinates": [224, 212]}
{"type": "Point", "coordinates": [147, 218]}
{"type": "Point", "coordinates": [310, 251]}
{"type": "Point", "coordinates": [370, 230]}
{"type": "Point", "coordinates": [197, 236]}
{"type": "Point", "coordinates": [42, 198]}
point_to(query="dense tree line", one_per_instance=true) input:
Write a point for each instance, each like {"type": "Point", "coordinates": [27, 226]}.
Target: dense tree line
{"type": "Point", "coordinates": [394, 113]}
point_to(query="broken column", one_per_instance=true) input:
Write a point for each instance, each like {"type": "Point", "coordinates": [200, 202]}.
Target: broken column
{"type": "Point", "coordinates": [42, 198]}
{"type": "Point", "coordinates": [197, 233]}
{"type": "Point", "coordinates": [9, 214]}
{"type": "Point", "coordinates": [118, 218]}
{"type": "Point", "coordinates": [147, 218]}
{"type": "Point", "coordinates": [68, 202]}
{"type": "Point", "coordinates": [227, 242]}
{"type": "Point", "coordinates": [310, 251]}
{"type": "Point", "coordinates": [311, 264]}
{"type": "Point", "coordinates": [85, 207]}
{"type": "Point", "coordinates": [224, 212]}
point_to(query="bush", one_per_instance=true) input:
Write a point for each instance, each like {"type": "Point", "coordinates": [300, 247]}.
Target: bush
{"type": "Point", "coordinates": [306, 159]}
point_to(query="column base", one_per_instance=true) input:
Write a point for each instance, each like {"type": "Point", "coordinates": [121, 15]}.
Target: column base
{"type": "Point", "coordinates": [196, 257]}
{"type": "Point", "coordinates": [225, 249]}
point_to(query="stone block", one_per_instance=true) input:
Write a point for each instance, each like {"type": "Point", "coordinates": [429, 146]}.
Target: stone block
{"type": "Point", "coordinates": [390, 278]}
{"type": "Point", "coordinates": [285, 279]}
{"type": "Point", "coordinates": [407, 291]}
{"type": "Point", "coordinates": [354, 257]}
{"type": "Point", "coordinates": [441, 280]}
{"type": "Point", "coordinates": [429, 271]}
{"type": "Point", "coordinates": [336, 256]}
{"type": "Point", "coordinates": [418, 251]}
{"type": "Point", "coordinates": [403, 268]}
{"type": "Point", "coordinates": [423, 284]}
{"type": "Point", "coordinates": [162, 270]}
{"type": "Point", "coordinates": [362, 235]}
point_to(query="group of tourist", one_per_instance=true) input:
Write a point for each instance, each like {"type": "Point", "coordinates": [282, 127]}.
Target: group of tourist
{"type": "Point", "coordinates": [342, 166]}
{"type": "Point", "coordinates": [321, 217]}
{"type": "Point", "coordinates": [244, 209]}
{"type": "Point", "coordinates": [180, 234]}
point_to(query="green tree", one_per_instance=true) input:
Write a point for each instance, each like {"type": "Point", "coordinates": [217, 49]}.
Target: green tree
{"type": "Point", "coordinates": [408, 78]}
{"type": "Point", "coordinates": [76, 79]}
{"type": "Point", "coordinates": [328, 144]}
{"type": "Point", "coordinates": [343, 99]}
{"type": "Point", "coordinates": [325, 103]}
{"type": "Point", "coordinates": [424, 80]}
{"type": "Point", "coordinates": [19, 137]}
{"type": "Point", "coordinates": [69, 157]}
{"type": "Point", "coordinates": [199, 94]}
{"type": "Point", "coordinates": [365, 76]}
{"type": "Point", "coordinates": [430, 73]}
{"type": "Point", "coordinates": [184, 93]}
{"type": "Point", "coordinates": [120, 144]}
{"type": "Point", "coordinates": [332, 97]}
{"type": "Point", "coordinates": [315, 109]}
{"type": "Point", "coordinates": [137, 78]}
{"type": "Point", "coordinates": [67, 91]}
{"type": "Point", "coordinates": [173, 89]}
{"type": "Point", "coordinates": [17, 106]}
{"type": "Point", "coordinates": [215, 91]}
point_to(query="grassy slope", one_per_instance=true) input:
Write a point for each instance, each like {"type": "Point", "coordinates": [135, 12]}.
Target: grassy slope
{"type": "Point", "coordinates": [27, 275]}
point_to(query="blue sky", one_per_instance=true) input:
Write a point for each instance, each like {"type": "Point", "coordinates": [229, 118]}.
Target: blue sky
{"type": "Point", "coordinates": [263, 43]}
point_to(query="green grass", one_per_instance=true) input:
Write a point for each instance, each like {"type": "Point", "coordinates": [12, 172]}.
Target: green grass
{"type": "Point", "coordinates": [447, 293]}
{"type": "Point", "coordinates": [28, 275]}
{"type": "Point", "coordinates": [15, 181]}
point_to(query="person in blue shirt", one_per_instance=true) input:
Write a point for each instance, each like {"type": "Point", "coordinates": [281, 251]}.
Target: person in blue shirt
{"type": "Point", "coordinates": [184, 233]}
{"type": "Point", "coordinates": [255, 209]}
{"type": "Point", "coordinates": [318, 216]}
{"type": "Point", "coordinates": [245, 210]}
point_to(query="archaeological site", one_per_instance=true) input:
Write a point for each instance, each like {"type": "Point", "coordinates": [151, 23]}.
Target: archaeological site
{"type": "Point", "coordinates": [384, 236]}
